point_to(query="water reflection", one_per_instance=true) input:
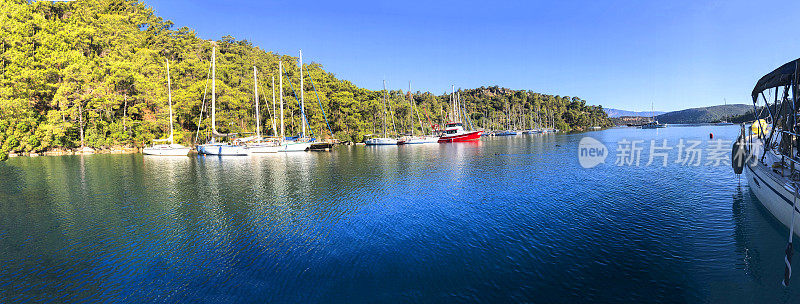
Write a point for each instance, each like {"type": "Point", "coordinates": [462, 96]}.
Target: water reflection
{"type": "Point", "coordinates": [760, 241]}
{"type": "Point", "coordinates": [500, 220]}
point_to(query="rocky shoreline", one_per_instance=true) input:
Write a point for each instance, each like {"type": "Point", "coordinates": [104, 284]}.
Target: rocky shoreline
{"type": "Point", "coordinates": [80, 151]}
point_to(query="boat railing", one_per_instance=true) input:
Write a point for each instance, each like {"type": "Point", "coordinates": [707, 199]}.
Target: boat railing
{"type": "Point", "coordinates": [793, 162]}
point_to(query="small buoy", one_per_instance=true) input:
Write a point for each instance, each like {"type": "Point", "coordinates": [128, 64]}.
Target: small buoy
{"type": "Point", "coordinates": [711, 135]}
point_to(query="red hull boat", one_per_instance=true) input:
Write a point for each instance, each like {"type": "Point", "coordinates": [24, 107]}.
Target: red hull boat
{"type": "Point", "coordinates": [454, 132]}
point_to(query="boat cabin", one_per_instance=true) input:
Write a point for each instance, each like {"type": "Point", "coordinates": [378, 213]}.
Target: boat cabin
{"type": "Point", "coordinates": [453, 127]}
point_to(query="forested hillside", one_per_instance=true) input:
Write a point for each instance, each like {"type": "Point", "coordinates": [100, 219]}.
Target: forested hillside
{"type": "Point", "coordinates": [704, 114]}
{"type": "Point", "coordinates": [92, 73]}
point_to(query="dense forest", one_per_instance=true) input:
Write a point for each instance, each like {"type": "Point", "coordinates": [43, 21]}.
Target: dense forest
{"type": "Point", "coordinates": [704, 114]}
{"type": "Point", "coordinates": [93, 73]}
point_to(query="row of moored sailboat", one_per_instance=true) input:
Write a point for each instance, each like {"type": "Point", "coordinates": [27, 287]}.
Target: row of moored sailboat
{"type": "Point", "coordinates": [454, 129]}
{"type": "Point", "coordinates": [457, 129]}
{"type": "Point", "coordinates": [256, 144]}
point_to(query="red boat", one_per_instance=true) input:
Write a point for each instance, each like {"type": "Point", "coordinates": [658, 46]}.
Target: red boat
{"type": "Point", "coordinates": [454, 132]}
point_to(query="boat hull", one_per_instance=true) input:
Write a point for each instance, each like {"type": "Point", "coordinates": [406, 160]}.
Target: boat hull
{"type": "Point", "coordinates": [422, 140]}
{"type": "Point", "coordinates": [773, 193]}
{"type": "Point", "coordinates": [222, 150]}
{"type": "Point", "coordinates": [166, 151]}
{"type": "Point", "coordinates": [381, 142]}
{"type": "Point", "coordinates": [259, 149]}
{"type": "Point", "coordinates": [294, 146]}
{"type": "Point", "coordinates": [467, 136]}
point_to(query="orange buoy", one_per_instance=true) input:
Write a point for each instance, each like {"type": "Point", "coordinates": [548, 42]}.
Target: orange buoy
{"type": "Point", "coordinates": [711, 135]}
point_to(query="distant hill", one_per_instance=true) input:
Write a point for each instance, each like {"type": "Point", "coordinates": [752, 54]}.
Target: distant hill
{"type": "Point", "coordinates": [614, 113]}
{"type": "Point", "coordinates": [704, 114]}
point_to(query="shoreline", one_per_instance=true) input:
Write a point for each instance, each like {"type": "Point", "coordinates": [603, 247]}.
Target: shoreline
{"type": "Point", "coordinates": [79, 151]}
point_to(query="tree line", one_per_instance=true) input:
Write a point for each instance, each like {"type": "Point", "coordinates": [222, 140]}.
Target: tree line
{"type": "Point", "coordinates": [92, 73]}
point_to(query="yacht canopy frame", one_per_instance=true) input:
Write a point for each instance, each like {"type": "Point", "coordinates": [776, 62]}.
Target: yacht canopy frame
{"type": "Point", "coordinates": [783, 120]}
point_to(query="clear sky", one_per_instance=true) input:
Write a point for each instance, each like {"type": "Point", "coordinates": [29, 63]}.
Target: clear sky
{"type": "Point", "coordinates": [621, 54]}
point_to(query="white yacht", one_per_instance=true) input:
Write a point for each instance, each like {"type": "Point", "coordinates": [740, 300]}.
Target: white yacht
{"type": "Point", "coordinates": [214, 147]}
{"type": "Point", "coordinates": [385, 140]}
{"type": "Point", "coordinates": [170, 149]}
{"type": "Point", "coordinates": [767, 153]}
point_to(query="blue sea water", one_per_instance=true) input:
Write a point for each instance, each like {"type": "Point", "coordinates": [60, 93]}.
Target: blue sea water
{"type": "Point", "coordinates": [507, 219]}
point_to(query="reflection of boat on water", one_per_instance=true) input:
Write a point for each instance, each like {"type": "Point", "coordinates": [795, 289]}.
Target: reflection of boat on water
{"type": "Point", "coordinates": [170, 149]}
{"type": "Point", "coordinates": [758, 238]}
{"type": "Point", "coordinates": [768, 153]}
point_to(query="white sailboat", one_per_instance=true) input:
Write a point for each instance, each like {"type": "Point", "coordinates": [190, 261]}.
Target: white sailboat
{"type": "Point", "coordinates": [385, 140]}
{"type": "Point", "coordinates": [301, 144]}
{"type": "Point", "coordinates": [218, 148]}
{"type": "Point", "coordinates": [258, 144]}
{"type": "Point", "coordinates": [422, 139]}
{"type": "Point", "coordinates": [768, 152]}
{"type": "Point", "coordinates": [653, 124]}
{"type": "Point", "coordinates": [170, 149]}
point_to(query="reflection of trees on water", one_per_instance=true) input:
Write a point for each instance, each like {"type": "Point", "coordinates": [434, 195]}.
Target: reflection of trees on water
{"type": "Point", "coordinates": [62, 214]}
{"type": "Point", "coordinates": [125, 218]}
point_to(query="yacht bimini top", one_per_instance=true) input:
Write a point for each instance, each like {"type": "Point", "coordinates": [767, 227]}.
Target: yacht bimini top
{"type": "Point", "coordinates": [782, 76]}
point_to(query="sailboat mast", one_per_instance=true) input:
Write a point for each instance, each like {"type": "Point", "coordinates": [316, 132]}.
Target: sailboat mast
{"type": "Point", "coordinates": [413, 104]}
{"type": "Point", "coordinates": [461, 115]}
{"type": "Point", "coordinates": [411, 100]}
{"type": "Point", "coordinates": [302, 100]}
{"type": "Point", "coordinates": [384, 108]}
{"type": "Point", "coordinates": [255, 93]}
{"type": "Point", "coordinates": [214, 92]}
{"type": "Point", "coordinates": [169, 94]}
{"type": "Point", "coordinates": [453, 102]}
{"type": "Point", "coordinates": [280, 75]}
{"type": "Point", "coordinates": [274, 128]}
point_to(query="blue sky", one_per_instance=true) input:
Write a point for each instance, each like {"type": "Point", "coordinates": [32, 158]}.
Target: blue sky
{"type": "Point", "coordinates": [621, 54]}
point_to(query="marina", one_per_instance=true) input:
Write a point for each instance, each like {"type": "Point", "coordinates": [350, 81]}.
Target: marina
{"type": "Point", "coordinates": [414, 215]}
{"type": "Point", "coordinates": [164, 152]}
